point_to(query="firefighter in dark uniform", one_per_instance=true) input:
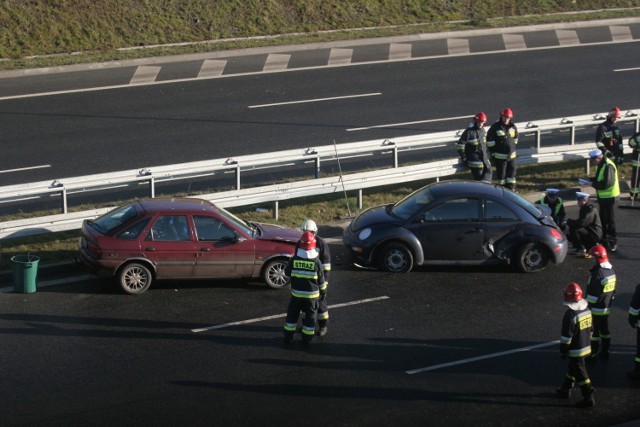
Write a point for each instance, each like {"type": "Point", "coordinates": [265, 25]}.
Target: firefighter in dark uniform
{"type": "Point", "coordinates": [502, 139]}
{"type": "Point", "coordinates": [586, 230]}
{"type": "Point", "coordinates": [473, 151]}
{"type": "Point", "coordinates": [556, 204]}
{"type": "Point", "coordinates": [634, 321]}
{"type": "Point", "coordinates": [607, 188]}
{"type": "Point", "coordinates": [601, 291]}
{"type": "Point", "coordinates": [634, 143]}
{"type": "Point", "coordinates": [307, 280]}
{"type": "Point", "coordinates": [575, 343]}
{"type": "Point", "coordinates": [324, 254]}
{"type": "Point", "coordinates": [608, 137]}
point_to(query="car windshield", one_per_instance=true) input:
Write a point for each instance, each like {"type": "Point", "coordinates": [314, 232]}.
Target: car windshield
{"type": "Point", "coordinates": [411, 204]}
{"type": "Point", "coordinates": [115, 218]}
{"type": "Point", "coordinates": [524, 204]}
{"type": "Point", "coordinates": [246, 227]}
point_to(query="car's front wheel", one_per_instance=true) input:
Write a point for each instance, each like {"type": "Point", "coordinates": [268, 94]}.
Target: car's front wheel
{"type": "Point", "coordinates": [135, 278]}
{"type": "Point", "coordinates": [273, 274]}
{"type": "Point", "coordinates": [396, 258]}
{"type": "Point", "coordinates": [531, 257]}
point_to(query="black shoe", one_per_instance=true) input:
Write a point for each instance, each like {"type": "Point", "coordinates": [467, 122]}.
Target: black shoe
{"type": "Point", "coordinates": [613, 248]}
{"type": "Point", "coordinates": [322, 331]}
{"type": "Point", "coordinates": [587, 402]}
{"type": "Point", "coordinates": [564, 393]}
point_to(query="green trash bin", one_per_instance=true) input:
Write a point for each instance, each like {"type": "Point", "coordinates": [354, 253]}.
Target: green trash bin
{"type": "Point", "coordinates": [25, 273]}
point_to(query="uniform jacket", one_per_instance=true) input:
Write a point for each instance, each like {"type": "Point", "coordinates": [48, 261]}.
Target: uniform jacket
{"type": "Point", "coordinates": [324, 254]}
{"type": "Point", "coordinates": [557, 209]}
{"type": "Point", "coordinates": [601, 290]}
{"type": "Point", "coordinates": [606, 179]}
{"type": "Point", "coordinates": [588, 218]}
{"type": "Point", "coordinates": [502, 140]}
{"type": "Point", "coordinates": [609, 139]}
{"type": "Point", "coordinates": [472, 147]}
{"type": "Point", "coordinates": [634, 308]}
{"type": "Point", "coordinates": [307, 277]}
{"type": "Point", "coordinates": [575, 338]}
{"type": "Point", "coordinates": [634, 143]}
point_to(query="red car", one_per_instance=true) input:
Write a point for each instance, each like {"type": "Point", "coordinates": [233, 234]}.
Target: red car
{"type": "Point", "coordinates": [157, 239]}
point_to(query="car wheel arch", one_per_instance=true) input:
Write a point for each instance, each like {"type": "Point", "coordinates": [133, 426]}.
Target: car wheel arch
{"type": "Point", "coordinates": [411, 241]}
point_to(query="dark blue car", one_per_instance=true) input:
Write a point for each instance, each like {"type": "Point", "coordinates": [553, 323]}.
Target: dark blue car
{"type": "Point", "coordinates": [456, 223]}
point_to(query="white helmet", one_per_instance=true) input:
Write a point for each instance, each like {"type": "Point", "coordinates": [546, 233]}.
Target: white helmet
{"type": "Point", "coordinates": [309, 225]}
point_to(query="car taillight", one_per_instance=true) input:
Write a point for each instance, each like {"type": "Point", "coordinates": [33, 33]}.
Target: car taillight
{"type": "Point", "coordinates": [556, 234]}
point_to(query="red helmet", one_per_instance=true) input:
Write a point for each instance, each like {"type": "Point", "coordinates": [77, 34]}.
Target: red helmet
{"type": "Point", "coordinates": [573, 292]}
{"type": "Point", "coordinates": [615, 112]}
{"type": "Point", "coordinates": [599, 253]}
{"type": "Point", "coordinates": [507, 113]}
{"type": "Point", "coordinates": [481, 117]}
{"type": "Point", "coordinates": [307, 241]}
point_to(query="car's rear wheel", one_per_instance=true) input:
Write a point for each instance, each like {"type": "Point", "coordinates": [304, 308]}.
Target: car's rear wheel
{"type": "Point", "coordinates": [273, 274]}
{"type": "Point", "coordinates": [531, 257]}
{"type": "Point", "coordinates": [135, 278]}
{"type": "Point", "coordinates": [396, 258]}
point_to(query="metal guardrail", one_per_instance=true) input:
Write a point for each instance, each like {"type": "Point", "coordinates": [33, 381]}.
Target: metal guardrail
{"type": "Point", "coordinates": [291, 190]}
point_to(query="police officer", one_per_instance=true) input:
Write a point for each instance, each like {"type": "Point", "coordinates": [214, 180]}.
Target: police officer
{"type": "Point", "coordinates": [556, 204]}
{"type": "Point", "coordinates": [601, 291]}
{"type": "Point", "coordinates": [307, 282]}
{"type": "Point", "coordinates": [608, 137]}
{"type": "Point", "coordinates": [607, 188]}
{"type": "Point", "coordinates": [472, 149]}
{"type": "Point", "coordinates": [634, 143]}
{"type": "Point", "coordinates": [324, 255]}
{"type": "Point", "coordinates": [634, 321]}
{"type": "Point", "coordinates": [574, 343]}
{"type": "Point", "coordinates": [502, 139]}
{"type": "Point", "coordinates": [586, 230]}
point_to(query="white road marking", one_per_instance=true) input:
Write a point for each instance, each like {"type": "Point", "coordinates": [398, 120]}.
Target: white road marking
{"type": "Point", "coordinates": [457, 46]}
{"type": "Point", "coordinates": [340, 56]}
{"type": "Point", "coordinates": [627, 69]}
{"type": "Point", "coordinates": [277, 316]}
{"type": "Point", "coordinates": [305, 101]}
{"type": "Point", "coordinates": [276, 62]}
{"type": "Point", "coordinates": [620, 33]}
{"type": "Point", "coordinates": [211, 68]}
{"type": "Point", "coordinates": [410, 123]}
{"type": "Point", "coordinates": [475, 359]}
{"type": "Point", "coordinates": [64, 281]}
{"type": "Point", "coordinates": [514, 42]}
{"type": "Point", "coordinates": [399, 51]}
{"type": "Point", "coordinates": [145, 74]}
{"type": "Point", "coordinates": [25, 169]}
{"type": "Point", "coordinates": [567, 37]}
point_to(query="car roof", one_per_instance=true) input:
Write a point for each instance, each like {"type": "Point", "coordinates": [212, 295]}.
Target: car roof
{"type": "Point", "coordinates": [177, 205]}
{"type": "Point", "coordinates": [460, 187]}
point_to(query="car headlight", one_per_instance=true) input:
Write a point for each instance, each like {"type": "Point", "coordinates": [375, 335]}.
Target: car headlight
{"type": "Point", "coordinates": [364, 234]}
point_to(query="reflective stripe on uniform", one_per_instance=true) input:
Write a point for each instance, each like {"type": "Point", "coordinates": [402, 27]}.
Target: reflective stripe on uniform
{"type": "Point", "coordinates": [305, 294]}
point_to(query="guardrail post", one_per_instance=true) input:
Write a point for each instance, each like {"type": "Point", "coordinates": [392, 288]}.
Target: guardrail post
{"type": "Point", "coordinates": [237, 177]}
{"type": "Point", "coordinates": [360, 199]}
{"type": "Point", "coordinates": [395, 156]}
{"type": "Point", "coordinates": [317, 163]}
{"type": "Point", "coordinates": [276, 210]}
{"type": "Point", "coordinates": [64, 200]}
{"type": "Point", "coordinates": [152, 187]}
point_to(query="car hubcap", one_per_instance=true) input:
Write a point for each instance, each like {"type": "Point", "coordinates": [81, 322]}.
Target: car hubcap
{"type": "Point", "coordinates": [276, 275]}
{"type": "Point", "coordinates": [396, 260]}
{"type": "Point", "coordinates": [135, 279]}
{"type": "Point", "coordinates": [534, 258]}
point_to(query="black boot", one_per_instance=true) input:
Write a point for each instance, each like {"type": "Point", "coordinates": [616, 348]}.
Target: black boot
{"type": "Point", "coordinates": [564, 391]}
{"type": "Point", "coordinates": [322, 328]}
{"type": "Point", "coordinates": [595, 346]}
{"type": "Point", "coordinates": [587, 397]}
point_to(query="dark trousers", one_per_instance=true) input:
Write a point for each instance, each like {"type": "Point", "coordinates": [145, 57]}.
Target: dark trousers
{"type": "Point", "coordinates": [481, 174]}
{"type": "Point", "coordinates": [323, 311]}
{"type": "Point", "coordinates": [577, 373]}
{"type": "Point", "coordinates": [506, 172]}
{"type": "Point", "coordinates": [637, 360]}
{"type": "Point", "coordinates": [608, 219]}
{"type": "Point", "coordinates": [309, 309]}
{"type": "Point", "coordinates": [600, 334]}
{"type": "Point", "coordinates": [581, 237]}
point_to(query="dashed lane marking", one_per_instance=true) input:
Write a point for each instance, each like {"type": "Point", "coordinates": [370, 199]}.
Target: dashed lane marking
{"type": "Point", "coordinates": [212, 68]}
{"type": "Point", "coordinates": [514, 41]}
{"type": "Point", "coordinates": [458, 46]}
{"type": "Point", "coordinates": [400, 51]}
{"type": "Point", "coordinates": [277, 316]}
{"type": "Point", "coordinates": [340, 56]}
{"type": "Point", "coordinates": [25, 169]}
{"type": "Point", "coordinates": [620, 33]}
{"type": "Point", "coordinates": [276, 62]}
{"type": "Point", "coordinates": [145, 74]}
{"type": "Point", "coordinates": [475, 359]}
{"type": "Point", "coordinates": [567, 37]}
{"type": "Point", "coordinates": [409, 123]}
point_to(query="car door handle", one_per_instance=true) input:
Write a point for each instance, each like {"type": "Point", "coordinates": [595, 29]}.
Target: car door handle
{"type": "Point", "coordinates": [150, 249]}
{"type": "Point", "coordinates": [205, 249]}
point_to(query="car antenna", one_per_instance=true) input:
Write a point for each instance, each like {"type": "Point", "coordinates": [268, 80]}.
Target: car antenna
{"type": "Point", "coordinates": [346, 199]}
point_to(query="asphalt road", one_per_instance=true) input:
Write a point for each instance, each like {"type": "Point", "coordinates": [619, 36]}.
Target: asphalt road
{"type": "Point", "coordinates": [442, 346]}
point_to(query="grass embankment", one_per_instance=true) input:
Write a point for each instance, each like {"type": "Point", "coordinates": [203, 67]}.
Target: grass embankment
{"type": "Point", "coordinates": [36, 33]}
{"type": "Point", "coordinates": [62, 246]}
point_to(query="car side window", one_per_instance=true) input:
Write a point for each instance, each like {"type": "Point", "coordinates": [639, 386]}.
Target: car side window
{"type": "Point", "coordinates": [132, 232]}
{"type": "Point", "coordinates": [211, 229]}
{"type": "Point", "coordinates": [170, 228]}
{"type": "Point", "coordinates": [455, 210]}
{"type": "Point", "coordinates": [497, 212]}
